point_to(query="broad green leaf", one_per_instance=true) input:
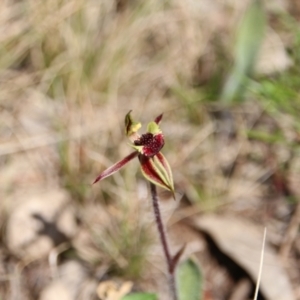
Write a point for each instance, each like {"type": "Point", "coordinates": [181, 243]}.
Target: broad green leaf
{"type": "Point", "coordinates": [140, 296]}
{"type": "Point", "coordinates": [189, 281]}
{"type": "Point", "coordinates": [248, 41]}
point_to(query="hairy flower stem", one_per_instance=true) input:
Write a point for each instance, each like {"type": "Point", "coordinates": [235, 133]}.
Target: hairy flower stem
{"type": "Point", "coordinates": [164, 242]}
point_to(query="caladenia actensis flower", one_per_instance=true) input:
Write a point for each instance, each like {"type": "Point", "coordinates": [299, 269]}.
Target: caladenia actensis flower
{"type": "Point", "coordinates": [155, 169]}
{"type": "Point", "coordinates": [154, 165]}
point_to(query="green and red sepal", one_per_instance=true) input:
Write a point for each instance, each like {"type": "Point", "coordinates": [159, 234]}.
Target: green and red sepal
{"type": "Point", "coordinates": [131, 126]}
{"type": "Point", "coordinates": [157, 170]}
{"type": "Point", "coordinates": [116, 167]}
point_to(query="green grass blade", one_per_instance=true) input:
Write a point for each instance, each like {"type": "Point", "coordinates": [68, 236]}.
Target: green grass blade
{"type": "Point", "coordinates": [248, 41]}
{"type": "Point", "coordinates": [250, 36]}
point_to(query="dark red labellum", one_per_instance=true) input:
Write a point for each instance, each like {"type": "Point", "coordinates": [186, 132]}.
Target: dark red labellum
{"type": "Point", "coordinates": [152, 144]}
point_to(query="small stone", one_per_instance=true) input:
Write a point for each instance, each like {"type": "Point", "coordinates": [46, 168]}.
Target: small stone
{"type": "Point", "coordinates": [54, 289]}
{"type": "Point", "coordinates": [39, 222]}
{"type": "Point", "coordinates": [72, 282]}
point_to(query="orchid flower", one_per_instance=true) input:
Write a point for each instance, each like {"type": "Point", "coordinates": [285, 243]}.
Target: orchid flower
{"type": "Point", "coordinates": [147, 146]}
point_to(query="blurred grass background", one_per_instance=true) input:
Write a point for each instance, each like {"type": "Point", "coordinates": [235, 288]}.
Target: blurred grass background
{"type": "Point", "coordinates": [71, 70]}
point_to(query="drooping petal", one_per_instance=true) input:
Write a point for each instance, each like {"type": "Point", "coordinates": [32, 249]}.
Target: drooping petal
{"type": "Point", "coordinates": [156, 169]}
{"type": "Point", "coordinates": [165, 168]}
{"type": "Point", "coordinates": [131, 126]}
{"type": "Point", "coordinates": [116, 167]}
{"type": "Point", "coordinates": [149, 170]}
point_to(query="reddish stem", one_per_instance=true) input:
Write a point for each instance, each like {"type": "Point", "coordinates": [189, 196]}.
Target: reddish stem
{"type": "Point", "coordinates": [164, 242]}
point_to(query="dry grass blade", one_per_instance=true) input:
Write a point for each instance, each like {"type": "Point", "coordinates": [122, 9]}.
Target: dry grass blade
{"type": "Point", "coordinates": [33, 142]}
{"type": "Point", "coordinates": [260, 265]}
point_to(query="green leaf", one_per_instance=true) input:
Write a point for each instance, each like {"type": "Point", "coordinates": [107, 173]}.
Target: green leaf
{"type": "Point", "coordinates": [140, 296]}
{"type": "Point", "coordinates": [250, 36]}
{"type": "Point", "coordinates": [189, 281]}
{"type": "Point", "coordinates": [249, 39]}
